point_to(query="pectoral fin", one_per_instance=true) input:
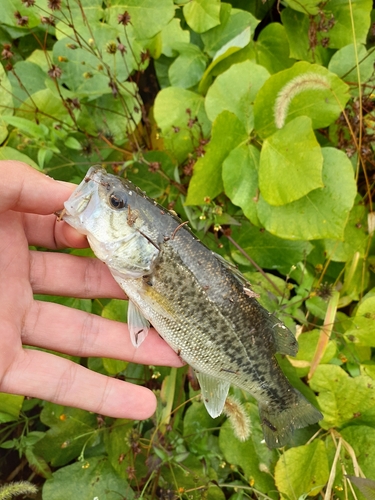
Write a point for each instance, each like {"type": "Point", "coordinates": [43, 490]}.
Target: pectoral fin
{"type": "Point", "coordinates": [138, 325]}
{"type": "Point", "coordinates": [214, 393]}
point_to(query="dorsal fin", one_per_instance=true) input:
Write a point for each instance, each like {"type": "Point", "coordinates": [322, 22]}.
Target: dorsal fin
{"type": "Point", "coordinates": [285, 341]}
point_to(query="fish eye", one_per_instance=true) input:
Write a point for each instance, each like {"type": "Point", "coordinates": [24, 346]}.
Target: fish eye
{"type": "Point", "coordinates": [118, 200]}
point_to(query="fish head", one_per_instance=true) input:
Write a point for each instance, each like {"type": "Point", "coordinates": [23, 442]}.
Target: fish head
{"type": "Point", "coordinates": [104, 208]}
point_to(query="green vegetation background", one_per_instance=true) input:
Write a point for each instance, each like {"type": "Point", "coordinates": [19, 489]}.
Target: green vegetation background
{"type": "Point", "coordinates": [254, 121]}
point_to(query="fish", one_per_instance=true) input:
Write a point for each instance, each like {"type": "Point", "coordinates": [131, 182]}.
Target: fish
{"type": "Point", "coordinates": [199, 303]}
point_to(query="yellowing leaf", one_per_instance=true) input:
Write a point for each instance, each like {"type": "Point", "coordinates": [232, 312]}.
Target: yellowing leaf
{"type": "Point", "coordinates": [341, 397]}
{"type": "Point", "coordinates": [302, 470]}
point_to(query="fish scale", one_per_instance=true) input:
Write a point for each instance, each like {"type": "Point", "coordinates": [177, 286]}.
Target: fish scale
{"type": "Point", "coordinates": [200, 304]}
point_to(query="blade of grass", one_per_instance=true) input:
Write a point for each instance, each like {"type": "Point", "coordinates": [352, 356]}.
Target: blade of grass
{"type": "Point", "coordinates": [325, 333]}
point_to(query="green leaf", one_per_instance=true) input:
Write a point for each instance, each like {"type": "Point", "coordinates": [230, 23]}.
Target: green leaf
{"type": "Point", "coordinates": [317, 306]}
{"type": "Point", "coordinates": [153, 183]}
{"type": "Point", "coordinates": [355, 236]}
{"type": "Point", "coordinates": [44, 156]}
{"type": "Point", "coordinates": [147, 17]}
{"type": "Point", "coordinates": [172, 35]}
{"type": "Point", "coordinates": [353, 18]}
{"type": "Point", "coordinates": [307, 343]}
{"type": "Point", "coordinates": [263, 285]}
{"type": "Point", "coordinates": [116, 309]}
{"type": "Point", "coordinates": [290, 163]}
{"type": "Point", "coordinates": [344, 63]}
{"type": "Point", "coordinates": [26, 79]}
{"type": "Point", "coordinates": [10, 407]}
{"type": "Point", "coordinates": [202, 15]}
{"type": "Point", "coordinates": [361, 438]}
{"type": "Point", "coordinates": [189, 474]}
{"type": "Point", "coordinates": [297, 26]}
{"type": "Point", "coordinates": [6, 101]}
{"type": "Point", "coordinates": [235, 90]}
{"type": "Point", "coordinates": [90, 478]}
{"type": "Point", "coordinates": [196, 424]}
{"type": "Point", "coordinates": [82, 304]}
{"type": "Point", "coordinates": [118, 441]}
{"type": "Point", "coordinates": [253, 456]}
{"type": "Point", "coordinates": [37, 463]}
{"type": "Point", "coordinates": [341, 397]}
{"type": "Point", "coordinates": [26, 126]}
{"type": "Point", "coordinates": [302, 470]}
{"type": "Point", "coordinates": [233, 22]}
{"type": "Point", "coordinates": [172, 110]}
{"type": "Point", "coordinates": [187, 70]}
{"type": "Point", "coordinates": [87, 10]}
{"type": "Point", "coordinates": [8, 9]}
{"type": "Point", "coordinates": [272, 48]}
{"type": "Point", "coordinates": [221, 59]}
{"type": "Point", "coordinates": [268, 251]}
{"type": "Point", "coordinates": [72, 143]}
{"type": "Point", "coordinates": [240, 179]}
{"type": "Point", "coordinates": [304, 6]}
{"type": "Point", "coordinates": [227, 133]}
{"type": "Point", "coordinates": [304, 89]}
{"type": "Point", "coordinates": [45, 107]}
{"type": "Point", "coordinates": [114, 366]}
{"type": "Point", "coordinates": [7, 153]}
{"type": "Point", "coordinates": [85, 70]}
{"type": "Point", "coordinates": [322, 213]}
{"type": "Point", "coordinates": [362, 327]}
{"type": "Point", "coordinates": [113, 116]}
{"type": "Point", "coordinates": [70, 430]}
{"type": "Point", "coordinates": [347, 19]}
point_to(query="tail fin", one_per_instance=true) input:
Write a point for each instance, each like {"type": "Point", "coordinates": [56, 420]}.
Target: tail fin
{"type": "Point", "coordinates": [278, 424]}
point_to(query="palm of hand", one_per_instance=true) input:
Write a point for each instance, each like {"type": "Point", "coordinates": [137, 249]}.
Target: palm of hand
{"type": "Point", "coordinates": [24, 220]}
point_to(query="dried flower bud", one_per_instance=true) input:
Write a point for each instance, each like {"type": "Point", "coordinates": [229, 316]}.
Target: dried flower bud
{"type": "Point", "coordinates": [21, 20]}
{"type": "Point", "coordinates": [54, 4]}
{"type": "Point", "coordinates": [7, 53]}
{"type": "Point", "coordinates": [48, 20]}
{"type": "Point", "coordinates": [124, 18]}
{"type": "Point", "coordinates": [111, 48]}
{"type": "Point", "coordinates": [54, 72]}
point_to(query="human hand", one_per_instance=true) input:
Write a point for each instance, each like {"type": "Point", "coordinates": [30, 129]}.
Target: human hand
{"type": "Point", "coordinates": [28, 200]}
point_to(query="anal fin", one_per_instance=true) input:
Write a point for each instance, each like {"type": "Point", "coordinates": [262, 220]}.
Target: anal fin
{"type": "Point", "coordinates": [138, 325]}
{"type": "Point", "coordinates": [214, 393]}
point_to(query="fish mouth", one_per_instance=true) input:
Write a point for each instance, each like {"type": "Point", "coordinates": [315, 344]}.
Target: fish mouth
{"type": "Point", "coordinates": [75, 205]}
{"type": "Point", "coordinates": [76, 209]}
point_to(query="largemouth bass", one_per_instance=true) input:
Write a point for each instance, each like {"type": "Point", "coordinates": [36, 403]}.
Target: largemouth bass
{"type": "Point", "coordinates": [200, 304]}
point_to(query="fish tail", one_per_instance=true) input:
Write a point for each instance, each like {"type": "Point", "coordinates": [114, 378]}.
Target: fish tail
{"type": "Point", "coordinates": [279, 423]}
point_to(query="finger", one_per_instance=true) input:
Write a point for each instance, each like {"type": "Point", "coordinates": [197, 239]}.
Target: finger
{"type": "Point", "coordinates": [70, 275]}
{"type": "Point", "coordinates": [42, 375]}
{"type": "Point", "coordinates": [75, 332]}
{"type": "Point", "coordinates": [26, 190]}
{"type": "Point", "coordinates": [49, 232]}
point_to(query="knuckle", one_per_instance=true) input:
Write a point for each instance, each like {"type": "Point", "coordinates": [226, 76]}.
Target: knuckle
{"type": "Point", "coordinates": [38, 270]}
{"type": "Point", "coordinates": [105, 396]}
{"type": "Point", "coordinates": [92, 278]}
{"type": "Point", "coordinates": [90, 331]}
